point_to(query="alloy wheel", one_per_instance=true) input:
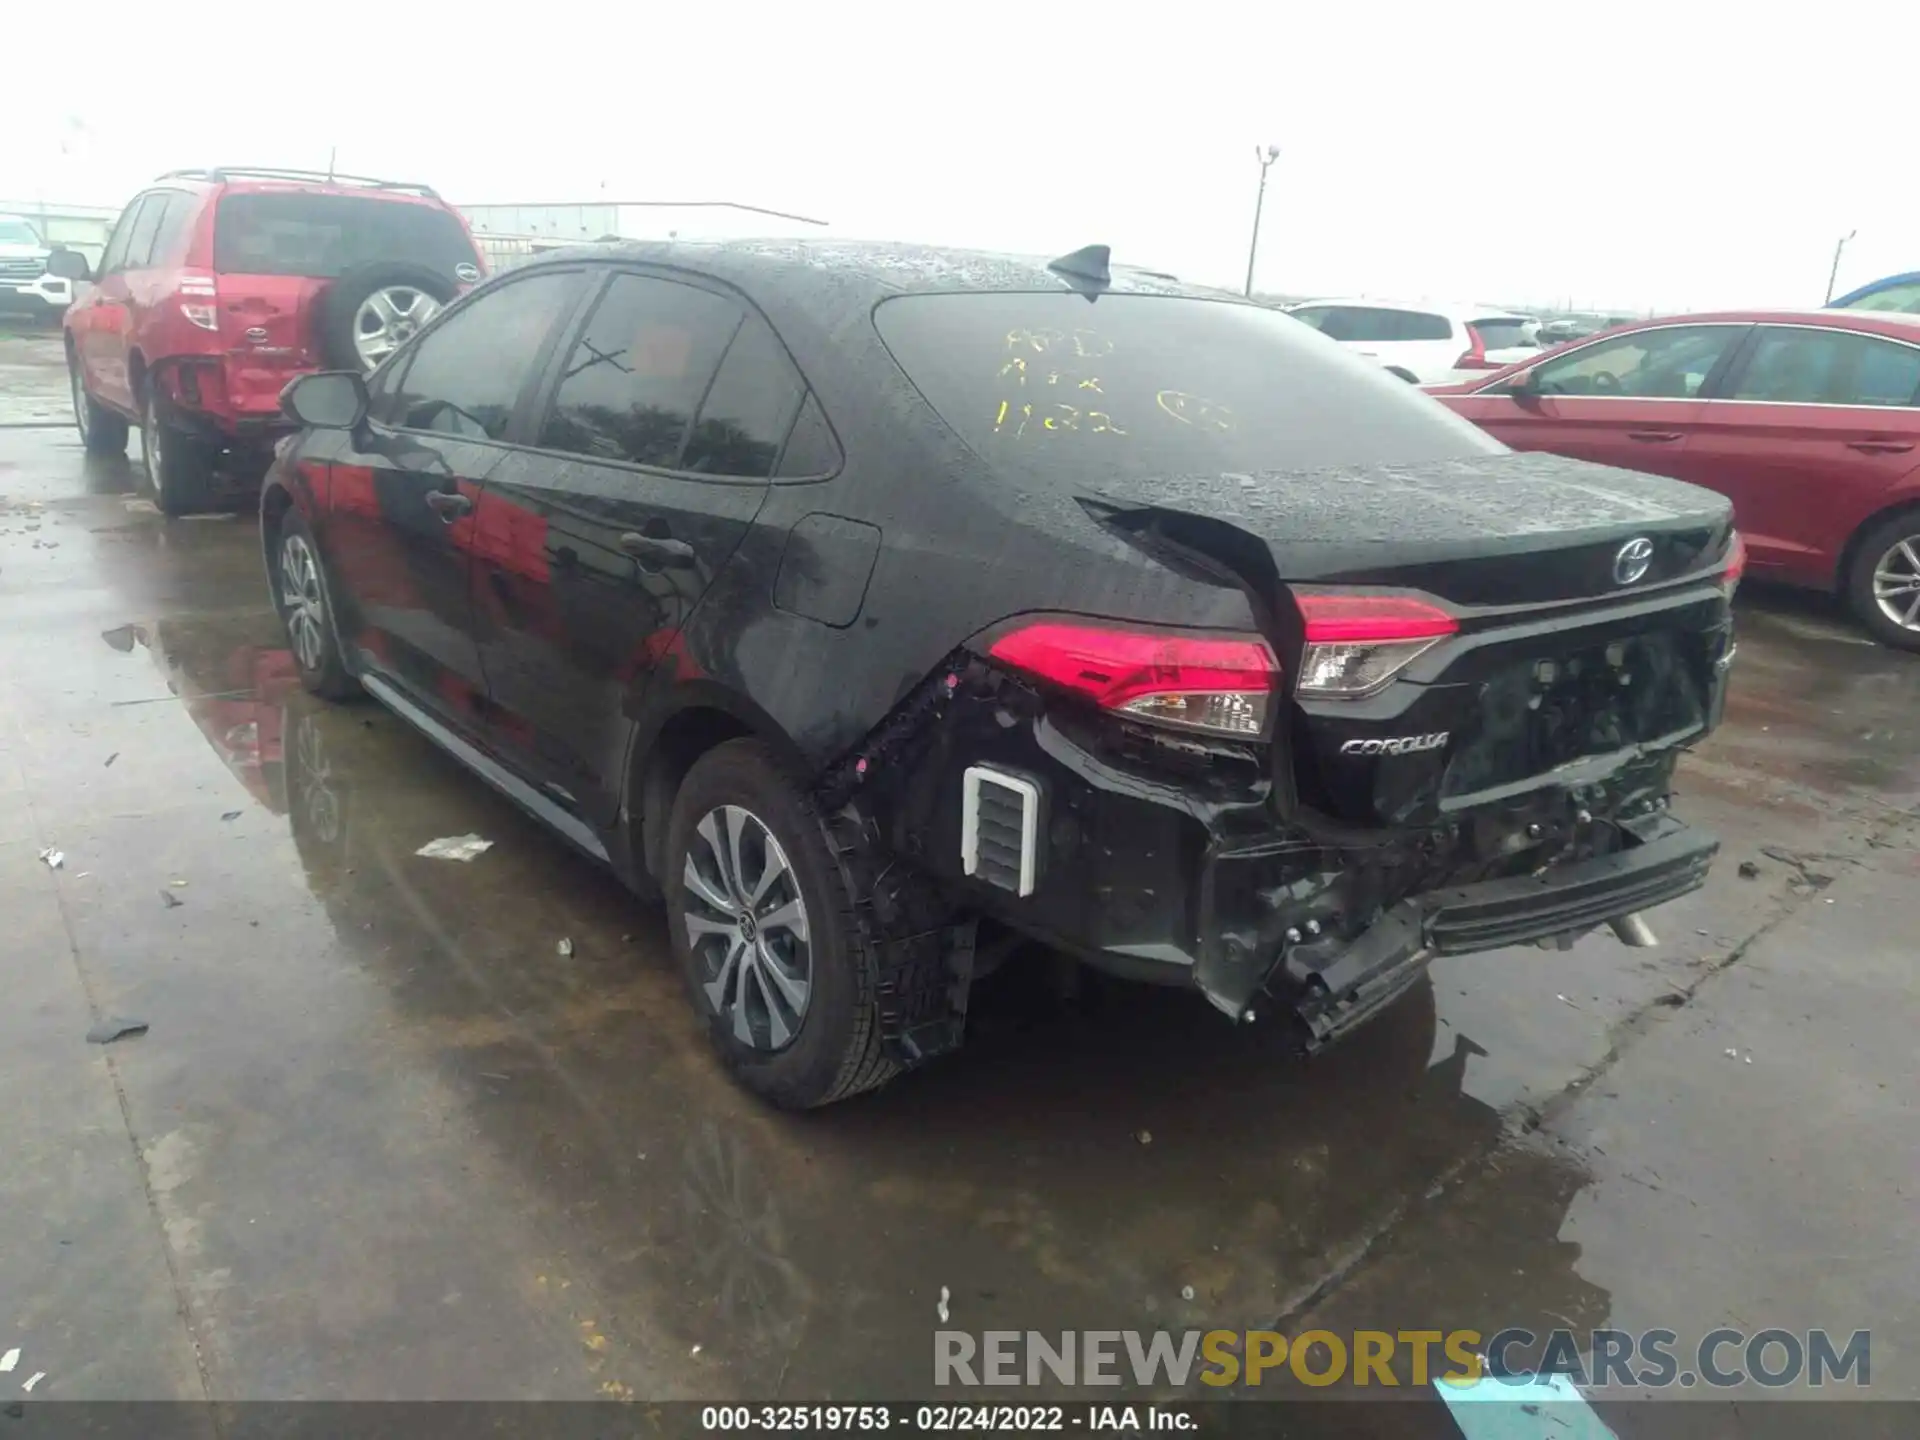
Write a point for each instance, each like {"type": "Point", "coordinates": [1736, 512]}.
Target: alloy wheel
{"type": "Point", "coordinates": [387, 319]}
{"type": "Point", "coordinates": [303, 602]}
{"type": "Point", "coordinates": [150, 443]}
{"type": "Point", "coordinates": [747, 924]}
{"type": "Point", "coordinates": [1896, 583]}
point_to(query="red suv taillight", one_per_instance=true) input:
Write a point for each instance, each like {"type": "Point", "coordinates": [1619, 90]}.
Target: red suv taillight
{"type": "Point", "coordinates": [1475, 356]}
{"type": "Point", "coordinates": [198, 294]}
{"type": "Point", "coordinates": [1217, 684]}
{"type": "Point", "coordinates": [1736, 563]}
{"type": "Point", "coordinates": [1356, 644]}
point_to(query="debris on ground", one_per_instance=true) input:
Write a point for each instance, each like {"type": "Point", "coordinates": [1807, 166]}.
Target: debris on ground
{"type": "Point", "coordinates": [941, 1308]}
{"type": "Point", "coordinates": [1673, 1000]}
{"type": "Point", "coordinates": [1749, 870]}
{"type": "Point", "coordinates": [33, 1380]}
{"type": "Point", "coordinates": [115, 1028]}
{"type": "Point", "coordinates": [178, 884]}
{"type": "Point", "coordinates": [233, 815]}
{"type": "Point", "coordinates": [1145, 1137]}
{"type": "Point", "coordinates": [9, 1360]}
{"type": "Point", "coordinates": [565, 947]}
{"type": "Point", "coordinates": [1186, 1292]}
{"type": "Point", "coordinates": [110, 759]}
{"type": "Point", "coordinates": [171, 900]}
{"type": "Point", "coordinates": [54, 858]}
{"type": "Point", "coordinates": [693, 1352]}
{"type": "Point", "coordinates": [455, 847]}
{"type": "Point", "coordinates": [122, 637]}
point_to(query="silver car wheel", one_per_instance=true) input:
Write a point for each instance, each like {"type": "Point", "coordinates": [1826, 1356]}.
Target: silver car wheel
{"type": "Point", "coordinates": [387, 319]}
{"type": "Point", "coordinates": [1896, 583]}
{"type": "Point", "coordinates": [747, 924]}
{"type": "Point", "coordinates": [303, 602]}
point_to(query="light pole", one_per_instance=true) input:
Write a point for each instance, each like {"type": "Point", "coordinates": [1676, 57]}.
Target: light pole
{"type": "Point", "coordinates": [1266, 155]}
{"type": "Point", "coordinates": [1834, 273]}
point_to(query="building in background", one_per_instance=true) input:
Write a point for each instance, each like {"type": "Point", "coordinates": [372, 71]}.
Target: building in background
{"type": "Point", "coordinates": [77, 227]}
{"type": "Point", "coordinates": [508, 234]}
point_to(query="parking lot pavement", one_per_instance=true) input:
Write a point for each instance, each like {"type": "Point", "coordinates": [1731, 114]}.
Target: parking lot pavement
{"type": "Point", "coordinates": [384, 1139]}
{"type": "Point", "coordinates": [33, 374]}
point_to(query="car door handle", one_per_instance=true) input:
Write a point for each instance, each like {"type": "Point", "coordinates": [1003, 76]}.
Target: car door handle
{"type": "Point", "coordinates": [449, 505]}
{"type": "Point", "coordinates": [1880, 447]}
{"type": "Point", "coordinates": [1654, 437]}
{"type": "Point", "coordinates": [672, 554]}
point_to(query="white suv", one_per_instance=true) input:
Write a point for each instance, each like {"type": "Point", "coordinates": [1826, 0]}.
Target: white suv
{"type": "Point", "coordinates": [1425, 344]}
{"type": "Point", "coordinates": [25, 285]}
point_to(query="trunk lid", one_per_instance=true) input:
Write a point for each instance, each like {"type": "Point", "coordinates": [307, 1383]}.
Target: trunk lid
{"type": "Point", "coordinates": [1592, 621]}
{"type": "Point", "coordinates": [1498, 530]}
{"type": "Point", "coordinates": [269, 320]}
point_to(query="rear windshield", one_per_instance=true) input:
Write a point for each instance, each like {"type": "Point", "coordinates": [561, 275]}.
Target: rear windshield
{"type": "Point", "coordinates": [1145, 385]}
{"type": "Point", "coordinates": [323, 236]}
{"type": "Point", "coordinates": [1506, 334]}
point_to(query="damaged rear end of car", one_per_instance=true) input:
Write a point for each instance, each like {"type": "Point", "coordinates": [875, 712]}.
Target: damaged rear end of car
{"type": "Point", "coordinates": [1447, 722]}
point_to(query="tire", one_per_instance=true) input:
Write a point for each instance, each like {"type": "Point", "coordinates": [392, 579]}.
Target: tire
{"type": "Point", "coordinates": [305, 604]}
{"type": "Point", "coordinates": [832, 1049]}
{"type": "Point", "coordinates": [178, 466]}
{"type": "Point", "coordinates": [1890, 550]}
{"type": "Point", "coordinates": [102, 431]}
{"type": "Point", "coordinates": [415, 294]}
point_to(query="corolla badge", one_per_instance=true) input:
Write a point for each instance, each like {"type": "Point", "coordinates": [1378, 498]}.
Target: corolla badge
{"type": "Point", "coordinates": [466, 274]}
{"type": "Point", "coordinates": [1632, 560]}
{"type": "Point", "coordinates": [1397, 744]}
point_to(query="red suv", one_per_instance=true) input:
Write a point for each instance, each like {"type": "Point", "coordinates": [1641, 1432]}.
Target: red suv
{"type": "Point", "coordinates": [220, 286]}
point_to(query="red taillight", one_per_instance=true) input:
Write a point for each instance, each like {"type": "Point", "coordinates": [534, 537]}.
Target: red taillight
{"type": "Point", "coordinates": [1736, 562]}
{"type": "Point", "coordinates": [1475, 356]}
{"type": "Point", "coordinates": [1356, 644]}
{"type": "Point", "coordinates": [1193, 682]}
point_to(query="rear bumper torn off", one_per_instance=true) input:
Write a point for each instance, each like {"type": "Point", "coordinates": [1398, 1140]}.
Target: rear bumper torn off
{"type": "Point", "coordinates": [1333, 990]}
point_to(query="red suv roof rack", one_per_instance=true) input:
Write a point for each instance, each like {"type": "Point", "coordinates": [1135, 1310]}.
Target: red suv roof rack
{"type": "Point", "coordinates": [256, 172]}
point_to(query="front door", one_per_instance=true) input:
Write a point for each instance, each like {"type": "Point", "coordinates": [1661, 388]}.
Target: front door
{"type": "Point", "coordinates": [1816, 427]}
{"type": "Point", "coordinates": [402, 494]}
{"type": "Point", "coordinates": [1629, 400]}
{"type": "Point", "coordinates": [653, 455]}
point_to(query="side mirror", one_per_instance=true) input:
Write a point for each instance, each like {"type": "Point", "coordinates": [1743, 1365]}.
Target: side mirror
{"type": "Point", "coordinates": [64, 264]}
{"type": "Point", "coordinates": [330, 400]}
{"type": "Point", "coordinates": [1523, 385]}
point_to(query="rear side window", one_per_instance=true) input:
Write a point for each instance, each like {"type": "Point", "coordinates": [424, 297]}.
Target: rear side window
{"type": "Point", "coordinates": [145, 226]}
{"type": "Point", "coordinates": [1504, 333]}
{"type": "Point", "coordinates": [169, 237]}
{"type": "Point", "coordinates": [748, 408]}
{"type": "Point", "coordinates": [115, 256]}
{"type": "Point", "coordinates": [1419, 325]}
{"type": "Point", "coordinates": [467, 372]}
{"type": "Point", "coordinates": [1669, 363]}
{"type": "Point", "coordinates": [1146, 386]}
{"type": "Point", "coordinates": [630, 388]}
{"type": "Point", "coordinates": [1829, 367]}
{"type": "Point", "coordinates": [811, 449]}
{"type": "Point", "coordinates": [323, 236]}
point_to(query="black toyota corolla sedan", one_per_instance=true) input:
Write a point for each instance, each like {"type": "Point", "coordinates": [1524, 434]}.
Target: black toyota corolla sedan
{"type": "Point", "coordinates": [852, 598]}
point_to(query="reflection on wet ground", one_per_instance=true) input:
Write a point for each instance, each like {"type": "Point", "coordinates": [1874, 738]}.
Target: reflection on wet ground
{"type": "Point", "coordinates": [397, 1143]}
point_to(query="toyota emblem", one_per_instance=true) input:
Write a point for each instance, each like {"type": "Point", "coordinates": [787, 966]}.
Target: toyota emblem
{"type": "Point", "coordinates": [1632, 560]}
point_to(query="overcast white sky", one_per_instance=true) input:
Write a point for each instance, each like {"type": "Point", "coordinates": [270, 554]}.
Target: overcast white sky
{"type": "Point", "coordinates": [1678, 155]}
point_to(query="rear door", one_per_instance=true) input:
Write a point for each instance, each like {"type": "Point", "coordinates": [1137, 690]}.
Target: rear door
{"type": "Point", "coordinates": [103, 331]}
{"type": "Point", "coordinates": [1628, 400]}
{"type": "Point", "coordinates": [1816, 428]}
{"type": "Point", "coordinates": [398, 523]}
{"type": "Point", "coordinates": [652, 455]}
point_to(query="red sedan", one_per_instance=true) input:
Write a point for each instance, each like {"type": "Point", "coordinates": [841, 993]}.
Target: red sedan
{"type": "Point", "coordinates": [1808, 420]}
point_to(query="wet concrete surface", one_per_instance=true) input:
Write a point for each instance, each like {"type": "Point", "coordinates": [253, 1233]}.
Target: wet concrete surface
{"type": "Point", "coordinates": [383, 1140]}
